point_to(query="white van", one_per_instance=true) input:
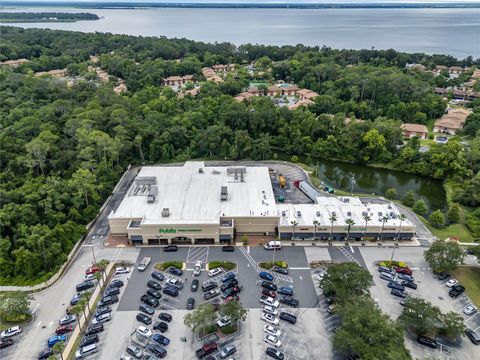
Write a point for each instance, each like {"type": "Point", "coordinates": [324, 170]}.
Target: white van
{"type": "Point", "coordinates": [86, 351]}
{"type": "Point", "coordinates": [144, 263]}
{"type": "Point", "coordinates": [271, 245]}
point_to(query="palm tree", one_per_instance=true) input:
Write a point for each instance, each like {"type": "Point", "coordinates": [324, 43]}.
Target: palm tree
{"type": "Point", "coordinates": [86, 297]}
{"type": "Point", "coordinates": [77, 310]}
{"type": "Point", "coordinates": [384, 220]}
{"type": "Point", "coordinates": [315, 224]}
{"type": "Point", "coordinates": [350, 223]}
{"type": "Point", "coordinates": [58, 348]}
{"type": "Point", "coordinates": [332, 218]}
{"type": "Point", "coordinates": [367, 218]}
{"type": "Point", "coordinates": [402, 218]}
{"type": "Point", "coordinates": [294, 223]}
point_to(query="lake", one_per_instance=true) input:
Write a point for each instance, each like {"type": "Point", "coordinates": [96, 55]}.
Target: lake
{"type": "Point", "coordinates": [441, 31]}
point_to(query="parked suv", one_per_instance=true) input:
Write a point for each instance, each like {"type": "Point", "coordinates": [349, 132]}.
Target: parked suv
{"type": "Point", "coordinates": [456, 291]}
{"type": "Point", "coordinates": [288, 300]}
{"type": "Point", "coordinates": [427, 342]}
{"type": "Point", "coordinates": [208, 285]}
{"type": "Point", "coordinates": [292, 319]}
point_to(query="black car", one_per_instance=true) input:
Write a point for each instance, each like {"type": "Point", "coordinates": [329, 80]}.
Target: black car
{"type": "Point", "coordinates": [269, 285]}
{"type": "Point", "coordinates": [5, 343]}
{"type": "Point", "coordinates": [194, 285]}
{"type": "Point", "coordinates": [170, 290]}
{"type": "Point", "coordinates": [94, 329]}
{"type": "Point", "coordinates": [160, 326]}
{"type": "Point", "coordinates": [229, 284]}
{"type": "Point", "coordinates": [274, 353]}
{"type": "Point", "coordinates": [473, 336]}
{"type": "Point", "coordinates": [111, 292]}
{"type": "Point", "coordinates": [398, 293]}
{"type": "Point", "coordinates": [45, 354]}
{"type": "Point", "coordinates": [410, 285]}
{"type": "Point", "coordinates": [157, 350]}
{"type": "Point", "coordinates": [165, 316]}
{"type": "Point", "coordinates": [85, 285]}
{"type": "Point", "coordinates": [190, 303]}
{"type": "Point", "coordinates": [228, 248]}
{"type": "Point", "coordinates": [108, 300]}
{"type": "Point", "coordinates": [456, 291]}
{"type": "Point", "coordinates": [170, 248]}
{"type": "Point", "coordinates": [157, 275]}
{"type": "Point", "coordinates": [154, 294]}
{"type": "Point", "coordinates": [144, 319]}
{"type": "Point", "coordinates": [209, 285]}
{"type": "Point", "coordinates": [175, 271]}
{"type": "Point", "coordinates": [116, 283]}
{"type": "Point", "coordinates": [89, 339]}
{"type": "Point", "coordinates": [150, 301]}
{"type": "Point", "coordinates": [102, 310]}
{"type": "Point", "coordinates": [423, 340]}
{"type": "Point", "coordinates": [292, 319]}
{"type": "Point", "coordinates": [154, 285]}
{"type": "Point", "coordinates": [329, 300]}
{"type": "Point", "coordinates": [280, 270]}
{"type": "Point", "coordinates": [290, 301]}
{"type": "Point", "coordinates": [231, 291]}
{"type": "Point", "coordinates": [146, 309]}
{"type": "Point", "coordinates": [443, 276]}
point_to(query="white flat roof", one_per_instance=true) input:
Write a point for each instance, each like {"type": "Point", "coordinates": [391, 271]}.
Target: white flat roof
{"type": "Point", "coordinates": [194, 197]}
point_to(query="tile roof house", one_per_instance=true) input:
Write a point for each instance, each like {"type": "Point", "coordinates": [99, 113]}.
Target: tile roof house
{"type": "Point", "coordinates": [177, 80]}
{"type": "Point", "coordinates": [305, 94]}
{"type": "Point", "coordinates": [15, 63]}
{"type": "Point", "coordinates": [411, 130]}
{"type": "Point", "coordinates": [300, 104]}
{"type": "Point", "coordinates": [210, 75]}
{"type": "Point", "coordinates": [451, 122]}
{"type": "Point", "coordinates": [243, 96]}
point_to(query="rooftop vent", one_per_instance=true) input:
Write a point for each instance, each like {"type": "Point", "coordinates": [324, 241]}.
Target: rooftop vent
{"type": "Point", "coordinates": [318, 213]}
{"type": "Point", "coordinates": [299, 214]}
{"type": "Point", "coordinates": [284, 213]}
{"type": "Point", "coordinates": [224, 193]}
{"type": "Point", "coordinates": [334, 213]}
{"type": "Point", "coordinates": [152, 194]}
{"type": "Point", "coordinates": [200, 170]}
{"type": "Point", "coordinates": [145, 180]}
{"type": "Point", "coordinates": [165, 212]}
{"type": "Point", "coordinates": [349, 213]}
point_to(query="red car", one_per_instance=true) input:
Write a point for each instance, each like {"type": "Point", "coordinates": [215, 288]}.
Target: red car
{"type": "Point", "coordinates": [231, 298]}
{"type": "Point", "coordinates": [92, 270]}
{"type": "Point", "coordinates": [64, 329]}
{"type": "Point", "coordinates": [269, 293]}
{"type": "Point", "coordinates": [404, 270]}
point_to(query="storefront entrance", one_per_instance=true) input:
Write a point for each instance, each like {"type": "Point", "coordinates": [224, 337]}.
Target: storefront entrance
{"type": "Point", "coordinates": [204, 241]}
{"type": "Point", "coordinates": [181, 240]}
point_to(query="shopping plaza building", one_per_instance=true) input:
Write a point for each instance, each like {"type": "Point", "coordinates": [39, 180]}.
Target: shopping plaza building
{"type": "Point", "coordinates": [199, 204]}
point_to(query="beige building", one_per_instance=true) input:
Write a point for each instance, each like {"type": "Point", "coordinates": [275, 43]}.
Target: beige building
{"type": "Point", "coordinates": [15, 63]}
{"type": "Point", "coordinates": [451, 122]}
{"type": "Point", "coordinates": [411, 130]}
{"type": "Point", "coordinates": [177, 80]}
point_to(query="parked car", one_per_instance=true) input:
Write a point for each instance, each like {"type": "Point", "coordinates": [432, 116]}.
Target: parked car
{"type": "Point", "coordinates": [157, 350]}
{"type": "Point", "coordinates": [473, 336]}
{"type": "Point", "coordinates": [214, 271]}
{"type": "Point", "coordinates": [405, 277]}
{"type": "Point", "coordinates": [85, 285]}
{"type": "Point", "coordinates": [76, 298]}
{"type": "Point", "coordinates": [209, 285]}
{"type": "Point", "coordinates": [451, 283]}
{"type": "Point", "coordinates": [89, 277]}
{"type": "Point", "coordinates": [150, 301]}
{"type": "Point", "coordinates": [206, 350]}
{"type": "Point", "coordinates": [395, 285]}
{"type": "Point", "coordinates": [292, 319]}
{"type": "Point", "coordinates": [228, 276]}
{"type": "Point", "coordinates": [175, 271]}
{"type": "Point", "coordinates": [229, 284]}
{"type": "Point", "coordinates": [274, 353]}
{"type": "Point", "coordinates": [469, 310]}
{"type": "Point", "coordinates": [269, 318]}
{"type": "Point", "coordinates": [270, 310]}
{"type": "Point", "coordinates": [456, 291]}
{"type": "Point", "coordinates": [111, 292]}
{"type": "Point", "coordinates": [268, 285]}
{"type": "Point", "coordinates": [331, 309]}
{"type": "Point", "coordinates": [55, 339]}
{"type": "Point", "coordinates": [170, 248]}
{"type": "Point", "coordinates": [89, 340]}
{"type": "Point", "coordinates": [157, 275]}
{"type": "Point", "coordinates": [290, 301]}
{"type": "Point", "coordinates": [170, 290]}
{"type": "Point", "coordinates": [228, 248]}
{"type": "Point", "coordinates": [5, 343]}
{"type": "Point", "coordinates": [265, 300]}
{"type": "Point", "coordinates": [10, 332]}
{"type": "Point", "coordinates": [211, 294]}
{"type": "Point", "coordinates": [135, 351]}
{"type": "Point", "coordinates": [410, 285]}
{"type": "Point", "coordinates": [272, 340]}
{"type": "Point", "coordinates": [165, 316]}
{"type": "Point", "coordinates": [45, 354]}
{"type": "Point", "coordinates": [398, 293]}
{"type": "Point", "coordinates": [144, 331]}
{"type": "Point", "coordinates": [102, 319]}
{"type": "Point", "coordinates": [92, 269]}
{"type": "Point", "coordinates": [102, 310]}
{"type": "Point", "coordinates": [190, 303]}
{"type": "Point", "coordinates": [108, 300]}
{"type": "Point", "coordinates": [67, 320]}
{"type": "Point", "coordinates": [159, 338]}
{"type": "Point", "coordinates": [146, 309]}
{"type": "Point", "coordinates": [194, 285]}
{"type": "Point", "coordinates": [175, 283]}
{"type": "Point", "coordinates": [231, 291]}
{"type": "Point", "coordinates": [116, 283]}
{"type": "Point", "coordinates": [423, 340]}
{"type": "Point", "coordinates": [154, 294]}
{"type": "Point", "coordinates": [227, 299]}
{"type": "Point", "coordinates": [63, 329]}
{"type": "Point", "coordinates": [197, 268]}
{"type": "Point", "coordinates": [160, 326]}
{"type": "Point", "coordinates": [266, 276]}
{"type": "Point", "coordinates": [384, 269]}
{"type": "Point", "coordinates": [272, 330]}
{"type": "Point", "coordinates": [387, 276]}
{"type": "Point", "coordinates": [443, 276]}
{"type": "Point", "coordinates": [94, 329]}
{"type": "Point", "coordinates": [284, 290]}
{"type": "Point", "coordinates": [223, 321]}
{"type": "Point", "coordinates": [269, 293]}
{"type": "Point", "coordinates": [121, 270]}
{"type": "Point", "coordinates": [280, 270]}
{"type": "Point", "coordinates": [404, 270]}
{"type": "Point", "coordinates": [86, 351]}
{"type": "Point", "coordinates": [227, 350]}
{"type": "Point", "coordinates": [144, 319]}
{"type": "Point", "coordinates": [154, 285]}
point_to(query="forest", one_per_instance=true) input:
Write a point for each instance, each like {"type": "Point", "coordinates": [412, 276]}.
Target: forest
{"type": "Point", "coordinates": [6, 17]}
{"type": "Point", "coordinates": [63, 148]}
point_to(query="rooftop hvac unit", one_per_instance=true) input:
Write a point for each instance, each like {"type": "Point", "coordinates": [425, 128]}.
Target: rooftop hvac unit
{"type": "Point", "coordinates": [318, 213]}
{"type": "Point", "coordinates": [379, 213]}
{"type": "Point", "coordinates": [152, 194]}
{"type": "Point", "coordinates": [346, 200]}
{"type": "Point", "coordinates": [334, 213]}
{"type": "Point", "coordinates": [284, 213]}
{"type": "Point", "coordinates": [364, 213]}
{"type": "Point", "coordinates": [200, 170]}
{"type": "Point", "coordinates": [349, 213]}
{"type": "Point", "coordinates": [145, 180]}
{"type": "Point", "coordinates": [224, 193]}
{"type": "Point", "coordinates": [299, 214]}
{"type": "Point", "coordinates": [165, 212]}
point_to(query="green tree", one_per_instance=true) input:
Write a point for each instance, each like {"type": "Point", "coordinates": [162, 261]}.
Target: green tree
{"type": "Point", "coordinates": [346, 280]}
{"type": "Point", "coordinates": [201, 319]}
{"type": "Point", "coordinates": [14, 304]}
{"type": "Point", "coordinates": [437, 219]}
{"type": "Point", "coordinates": [452, 325]}
{"type": "Point", "coordinates": [444, 255]}
{"type": "Point", "coordinates": [58, 348]}
{"type": "Point", "coordinates": [453, 214]}
{"type": "Point", "coordinates": [234, 310]}
{"type": "Point", "coordinates": [409, 198]}
{"type": "Point", "coordinates": [375, 145]}
{"type": "Point", "coordinates": [391, 193]}
{"type": "Point", "coordinates": [420, 316]}
{"type": "Point", "coordinates": [420, 207]}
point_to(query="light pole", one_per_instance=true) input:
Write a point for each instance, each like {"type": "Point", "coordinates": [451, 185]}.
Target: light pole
{"type": "Point", "coordinates": [353, 182]}
{"type": "Point", "coordinates": [93, 253]}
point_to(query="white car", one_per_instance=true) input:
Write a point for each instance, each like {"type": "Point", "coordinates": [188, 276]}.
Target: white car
{"type": "Point", "coordinates": [469, 310]}
{"type": "Point", "coordinates": [197, 269]}
{"type": "Point", "coordinates": [102, 319]}
{"type": "Point", "coordinates": [272, 330]}
{"type": "Point", "coordinates": [272, 340]}
{"type": "Point", "coordinates": [269, 301]}
{"type": "Point", "coordinates": [89, 277]}
{"type": "Point", "coordinates": [451, 282]}
{"type": "Point", "coordinates": [175, 282]}
{"type": "Point", "coordinates": [270, 310]}
{"type": "Point", "coordinates": [214, 271]}
{"type": "Point", "coordinates": [224, 321]}
{"type": "Point", "coordinates": [142, 330]}
{"type": "Point", "coordinates": [269, 318]}
{"type": "Point", "coordinates": [67, 320]}
{"type": "Point", "coordinates": [14, 330]}
{"type": "Point", "coordinates": [122, 270]}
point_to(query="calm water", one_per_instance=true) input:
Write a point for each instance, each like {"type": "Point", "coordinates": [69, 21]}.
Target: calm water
{"type": "Point", "coordinates": [442, 31]}
{"type": "Point", "coordinates": [372, 180]}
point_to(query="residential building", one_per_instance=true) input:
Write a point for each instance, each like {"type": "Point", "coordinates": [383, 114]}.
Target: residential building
{"type": "Point", "coordinates": [243, 96]}
{"type": "Point", "coordinates": [411, 130]}
{"type": "Point", "coordinates": [58, 73]}
{"type": "Point", "coordinates": [177, 80]}
{"type": "Point", "coordinates": [15, 63]}
{"type": "Point", "coordinates": [452, 121]}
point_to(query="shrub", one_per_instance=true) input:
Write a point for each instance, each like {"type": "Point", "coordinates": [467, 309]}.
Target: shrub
{"type": "Point", "coordinates": [453, 214]}
{"type": "Point", "coordinates": [268, 264]}
{"type": "Point", "coordinates": [227, 265]}
{"type": "Point", "coordinates": [420, 207]}
{"type": "Point", "coordinates": [229, 329]}
{"type": "Point", "coordinates": [386, 263]}
{"type": "Point", "coordinates": [165, 265]}
{"type": "Point", "coordinates": [391, 193]}
{"type": "Point", "coordinates": [437, 219]}
{"type": "Point", "coordinates": [294, 158]}
{"type": "Point", "coordinates": [409, 198]}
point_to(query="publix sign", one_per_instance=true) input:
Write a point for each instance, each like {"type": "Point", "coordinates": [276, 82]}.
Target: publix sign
{"type": "Point", "coordinates": [173, 231]}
